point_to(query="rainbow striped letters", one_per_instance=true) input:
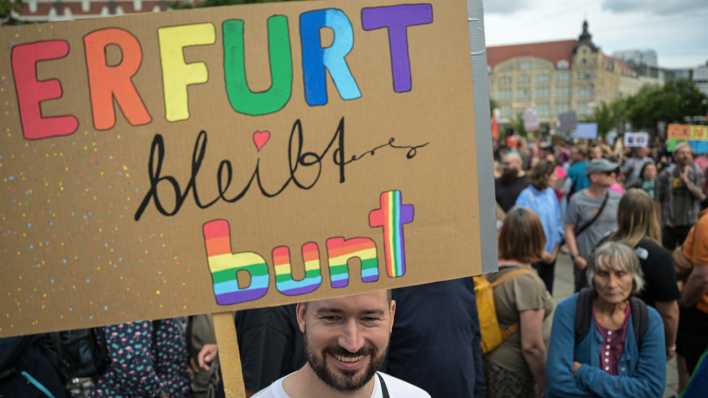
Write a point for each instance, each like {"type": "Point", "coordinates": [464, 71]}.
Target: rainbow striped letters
{"type": "Point", "coordinates": [284, 281]}
{"type": "Point", "coordinates": [341, 250]}
{"type": "Point", "coordinates": [391, 216]}
{"type": "Point", "coordinates": [226, 266]}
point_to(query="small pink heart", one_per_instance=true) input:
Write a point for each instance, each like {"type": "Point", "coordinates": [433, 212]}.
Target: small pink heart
{"type": "Point", "coordinates": [260, 138]}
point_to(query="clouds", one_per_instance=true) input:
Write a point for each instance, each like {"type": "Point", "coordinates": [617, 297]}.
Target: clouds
{"type": "Point", "coordinates": [676, 29]}
{"type": "Point", "coordinates": [505, 6]}
{"type": "Point", "coordinates": [657, 7]}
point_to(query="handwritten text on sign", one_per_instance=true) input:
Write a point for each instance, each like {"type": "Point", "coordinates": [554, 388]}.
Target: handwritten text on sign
{"type": "Point", "coordinates": [163, 165]}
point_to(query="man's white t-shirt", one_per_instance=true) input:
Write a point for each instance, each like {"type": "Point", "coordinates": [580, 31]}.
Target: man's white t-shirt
{"type": "Point", "coordinates": [397, 388]}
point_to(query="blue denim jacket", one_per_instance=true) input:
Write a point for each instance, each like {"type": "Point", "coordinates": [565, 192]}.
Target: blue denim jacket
{"type": "Point", "coordinates": [642, 372]}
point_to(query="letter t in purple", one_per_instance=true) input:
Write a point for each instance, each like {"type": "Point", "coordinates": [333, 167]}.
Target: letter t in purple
{"type": "Point", "coordinates": [397, 19]}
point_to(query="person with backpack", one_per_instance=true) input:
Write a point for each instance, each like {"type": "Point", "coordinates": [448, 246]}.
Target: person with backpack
{"type": "Point", "coordinates": [639, 228]}
{"type": "Point", "coordinates": [28, 368]}
{"type": "Point", "coordinates": [515, 303]}
{"type": "Point", "coordinates": [604, 342]}
{"type": "Point", "coordinates": [147, 360]}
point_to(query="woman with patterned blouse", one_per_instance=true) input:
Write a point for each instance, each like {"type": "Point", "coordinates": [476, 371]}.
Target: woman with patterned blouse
{"type": "Point", "coordinates": [619, 351]}
{"type": "Point", "coordinates": [148, 360]}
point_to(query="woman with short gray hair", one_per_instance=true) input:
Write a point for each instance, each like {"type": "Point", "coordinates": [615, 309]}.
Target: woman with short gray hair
{"type": "Point", "coordinates": [604, 342]}
{"type": "Point", "coordinates": [617, 257]}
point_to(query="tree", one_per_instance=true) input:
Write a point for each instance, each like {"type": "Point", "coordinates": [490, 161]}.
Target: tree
{"type": "Point", "coordinates": [518, 125]}
{"type": "Point", "coordinates": [605, 118]}
{"type": "Point", "coordinates": [6, 9]}
{"type": "Point", "coordinates": [673, 102]}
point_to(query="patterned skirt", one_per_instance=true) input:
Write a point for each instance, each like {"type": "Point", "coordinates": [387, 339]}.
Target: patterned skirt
{"type": "Point", "coordinates": [502, 383]}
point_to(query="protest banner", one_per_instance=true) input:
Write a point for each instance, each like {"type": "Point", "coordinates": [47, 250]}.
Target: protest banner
{"type": "Point", "coordinates": [695, 135]}
{"type": "Point", "coordinates": [204, 161]}
{"type": "Point", "coordinates": [636, 140]}
{"type": "Point", "coordinates": [585, 131]}
{"type": "Point", "coordinates": [567, 122]}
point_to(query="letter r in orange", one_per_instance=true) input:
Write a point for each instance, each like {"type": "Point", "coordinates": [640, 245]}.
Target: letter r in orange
{"type": "Point", "coordinates": [109, 82]}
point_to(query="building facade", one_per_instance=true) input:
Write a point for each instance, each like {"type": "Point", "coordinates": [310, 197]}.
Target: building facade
{"type": "Point", "coordinates": [638, 57]}
{"type": "Point", "coordinates": [557, 77]}
{"type": "Point", "coordinates": [700, 76]}
{"type": "Point", "coordinates": [69, 10]}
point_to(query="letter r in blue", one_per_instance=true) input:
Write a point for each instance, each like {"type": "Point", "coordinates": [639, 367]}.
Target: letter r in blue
{"type": "Point", "coordinates": [317, 60]}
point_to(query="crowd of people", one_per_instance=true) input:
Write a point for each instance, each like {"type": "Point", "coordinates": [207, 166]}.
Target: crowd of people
{"type": "Point", "coordinates": [631, 223]}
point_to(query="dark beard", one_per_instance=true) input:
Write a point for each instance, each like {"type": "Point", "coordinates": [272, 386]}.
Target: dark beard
{"type": "Point", "coordinates": [344, 382]}
{"type": "Point", "coordinates": [508, 176]}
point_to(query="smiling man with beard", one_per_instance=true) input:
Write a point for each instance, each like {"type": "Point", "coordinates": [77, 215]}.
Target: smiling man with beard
{"type": "Point", "coordinates": [345, 342]}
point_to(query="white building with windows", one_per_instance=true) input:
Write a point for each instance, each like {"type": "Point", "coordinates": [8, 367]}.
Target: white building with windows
{"type": "Point", "coordinates": [556, 77]}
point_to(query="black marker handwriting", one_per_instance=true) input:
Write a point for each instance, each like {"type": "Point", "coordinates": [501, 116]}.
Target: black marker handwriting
{"type": "Point", "coordinates": [298, 159]}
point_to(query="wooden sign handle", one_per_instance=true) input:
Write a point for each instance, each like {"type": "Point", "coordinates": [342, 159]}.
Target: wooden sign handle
{"type": "Point", "coordinates": [229, 356]}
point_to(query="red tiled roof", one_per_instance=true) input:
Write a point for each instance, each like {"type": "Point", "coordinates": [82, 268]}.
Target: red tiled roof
{"type": "Point", "coordinates": [552, 51]}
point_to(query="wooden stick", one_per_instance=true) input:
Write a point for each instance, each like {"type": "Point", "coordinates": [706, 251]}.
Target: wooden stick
{"type": "Point", "coordinates": [229, 356]}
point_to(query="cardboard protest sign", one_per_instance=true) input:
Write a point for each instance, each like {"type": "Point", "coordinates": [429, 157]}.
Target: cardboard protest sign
{"type": "Point", "coordinates": [695, 135]}
{"type": "Point", "coordinates": [586, 131]}
{"type": "Point", "coordinates": [567, 122]}
{"type": "Point", "coordinates": [203, 161]}
{"type": "Point", "coordinates": [636, 140]}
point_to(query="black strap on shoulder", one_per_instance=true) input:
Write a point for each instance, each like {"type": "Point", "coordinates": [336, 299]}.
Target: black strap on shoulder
{"type": "Point", "coordinates": [583, 313]}
{"type": "Point", "coordinates": [587, 225]}
{"type": "Point", "coordinates": [640, 319]}
{"type": "Point", "coordinates": [384, 390]}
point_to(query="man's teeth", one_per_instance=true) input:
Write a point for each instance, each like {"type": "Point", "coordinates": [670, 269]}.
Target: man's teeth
{"type": "Point", "coordinates": [347, 359]}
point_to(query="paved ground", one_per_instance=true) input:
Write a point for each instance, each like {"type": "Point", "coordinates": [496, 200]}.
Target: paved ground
{"type": "Point", "coordinates": [563, 286]}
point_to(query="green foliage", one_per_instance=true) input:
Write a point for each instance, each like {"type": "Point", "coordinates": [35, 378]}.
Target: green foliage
{"type": "Point", "coordinates": [518, 125]}
{"type": "Point", "coordinates": [492, 106]}
{"type": "Point", "coordinates": [672, 102]}
{"type": "Point", "coordinates": [6, 8]}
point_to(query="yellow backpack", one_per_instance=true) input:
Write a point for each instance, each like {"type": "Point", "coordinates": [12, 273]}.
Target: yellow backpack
{"type": "Point", "coordinates": [492, 333]}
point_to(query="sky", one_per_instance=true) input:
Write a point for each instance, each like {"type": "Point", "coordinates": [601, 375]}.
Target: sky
{"type": "Point", "coordinates": [676, 29]}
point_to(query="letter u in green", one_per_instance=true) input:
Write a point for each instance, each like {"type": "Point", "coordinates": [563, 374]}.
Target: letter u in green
{"type": "Point", "coordinates": [241, 97]}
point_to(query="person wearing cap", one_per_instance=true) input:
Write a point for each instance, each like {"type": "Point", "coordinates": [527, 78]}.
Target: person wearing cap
{"type": "Point", "coordinates": [679, 189]}
{"type": "Point", "coordinates": [591, 215]}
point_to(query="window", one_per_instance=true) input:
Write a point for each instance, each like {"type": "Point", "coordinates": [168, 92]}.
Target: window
{"type": "Point", "coordinates": [503, 94]}
{"type": "Point", "coordinates": [504, 81]}
{"type": "Point", "coordinates": [585, 92]}
{"type": "Point", "coordinates": [506, 112]}
{"type": "Point", "coordinates": [583, 75]}
{"type": "Point", "coordinates": [542, 111]}
{"type": "Point", "coordinates": [562, 77]}
{"type": "Point", "coordinates": [541, 92]}
{"type": "Point", "coordinates": [563, 92]}
{"type": "Point", "coordinates": [542, 79]}
{"type": "Point", "coordinates": [523, 79]}
{"type": "Point", "coordinates": [521, 94]}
